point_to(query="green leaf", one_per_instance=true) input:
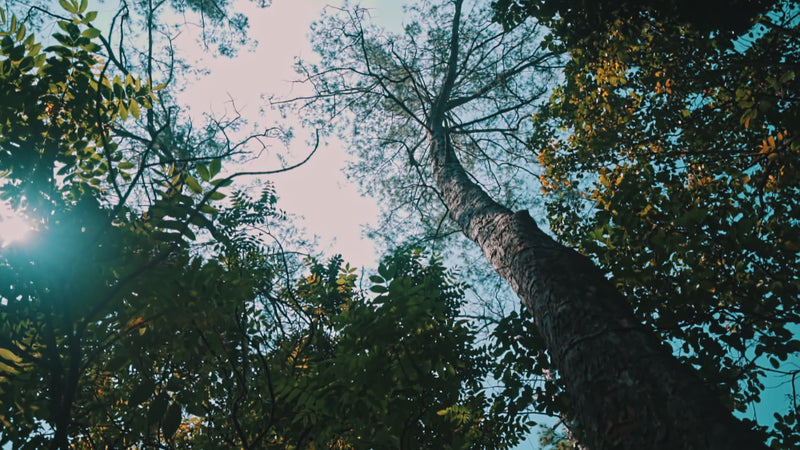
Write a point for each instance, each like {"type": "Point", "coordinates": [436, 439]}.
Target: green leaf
{"type": "Point", "coordinates": [91, 33]}
{"type": "Point", "coordinates": [26, 64]}
{"type": "Point", "coordinates": [5, 368]}
{"type": "Point", "coordinates": [21, 32]}
{"type": "Point", "coordinates": [82, 8]}
{"type": "Point", "coordinates": [17, 54]}
{"type": "Point", "coordinates": [134, 109]}
{"type": "Point", "coordinates": [222, 182]}
{"type": "Point", "coordinates": [166, 236]}
{"type": "Point", "coordinates": [208, 209]}
{"type": "Point", "coordinates": [216, 196]}
{"type": "Point", "coordinates": [387, 271]}
{"type": "Point", "coordinates": [193, 185]}
{"type": "Point", "coordinates": [172, 420]}
{"type": "Point", "coordinates": [8, 355]}
{"type": "Point", "coordinates": [214, 167]}
{"type": "Point", "coordinates": [68, 6]}
{"type": "Point", "coordinates": [376, 279]}
{"type": "Point", "coordinates": [157, 408]}
{"type": "Point", "coordinates": [202, 170]}
{"type": "Point", "coordinates": [89, 17]}
{"type": "Point", "coordinates": [125, 165]}
{"type": "Point", "coordinates": [119, 91]}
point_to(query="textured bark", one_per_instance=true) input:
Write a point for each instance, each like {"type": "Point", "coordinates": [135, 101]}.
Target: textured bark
{"type": "Point", "coordinates": [627, 390]}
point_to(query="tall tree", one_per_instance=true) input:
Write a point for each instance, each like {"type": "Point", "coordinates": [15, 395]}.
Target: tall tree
{"type": "Point", "coordinates": [677, 175]}
{"type": "Point", "coordinates": [455, 88]}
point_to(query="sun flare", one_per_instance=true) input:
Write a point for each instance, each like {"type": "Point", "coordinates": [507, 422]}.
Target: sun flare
{"type": "Point", "coordinates": [13, 227]}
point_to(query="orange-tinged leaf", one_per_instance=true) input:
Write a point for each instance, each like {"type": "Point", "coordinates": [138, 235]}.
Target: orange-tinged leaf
{"type": "Point", "coordinates": [135, 323]}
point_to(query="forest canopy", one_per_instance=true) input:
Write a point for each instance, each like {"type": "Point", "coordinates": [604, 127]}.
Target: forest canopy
{"type": "Point", "coordinates": [628, 171]}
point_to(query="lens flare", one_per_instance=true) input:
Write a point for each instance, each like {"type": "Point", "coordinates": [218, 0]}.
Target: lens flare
{"type": "Point", "coordinates": [13, 227]}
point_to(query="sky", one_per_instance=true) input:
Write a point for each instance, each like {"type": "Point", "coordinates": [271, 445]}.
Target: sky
{"type": "Point", "coordinates": [330, 205]}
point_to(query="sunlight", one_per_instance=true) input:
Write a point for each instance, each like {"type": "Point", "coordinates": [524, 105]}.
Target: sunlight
{"type": "Point", "coordinates": [13, 228]}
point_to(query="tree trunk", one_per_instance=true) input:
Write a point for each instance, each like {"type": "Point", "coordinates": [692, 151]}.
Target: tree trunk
{"type": "Point", "coordinates": [626, 388]}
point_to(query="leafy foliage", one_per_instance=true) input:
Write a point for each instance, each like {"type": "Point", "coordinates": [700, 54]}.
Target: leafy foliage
{"type": "Point", "coordinates": [88, 307]}
{"type": "Point", "coordinates": [397, 370]}
{"type": "Point", "coordinates": [670, 157]}
{"type": "Point", "coordinates": [575, 20]}
{"type": "Point", "coordinates": [147, 314]}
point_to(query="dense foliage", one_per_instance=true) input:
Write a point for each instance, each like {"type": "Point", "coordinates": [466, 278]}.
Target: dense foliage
{"type": "Point", "coordinates": [146, 313]}
{"type": "Point", "coordinates": [670, 156]}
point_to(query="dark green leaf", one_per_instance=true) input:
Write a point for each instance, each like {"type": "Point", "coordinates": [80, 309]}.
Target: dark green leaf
{"type": "Point", "coordinates": [157, 408]}
{"type": "Point", "coordinates": [142, 392]}
{"type": "Point", "coordinates": [214, 167]}
{"type": "Point", "coordinates": [172, 420]}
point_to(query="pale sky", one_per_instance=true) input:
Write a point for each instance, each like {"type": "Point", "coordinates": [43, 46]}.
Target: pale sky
{"type": "Point", "coordinates": [330, 204]}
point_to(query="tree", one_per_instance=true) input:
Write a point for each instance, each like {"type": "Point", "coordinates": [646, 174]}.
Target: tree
{"type": "Point", "coordinates": [677, 177]}
{"type": "Point", "coordinates": [453, 87]}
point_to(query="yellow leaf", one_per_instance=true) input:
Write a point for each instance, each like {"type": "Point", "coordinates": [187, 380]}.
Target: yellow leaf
{"type": "Point", "coordinates": [8, 355]}
{"type": "Point", "coordinates": [8, 369]}
{"type": "Point", "coordinates": [134, 109]}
